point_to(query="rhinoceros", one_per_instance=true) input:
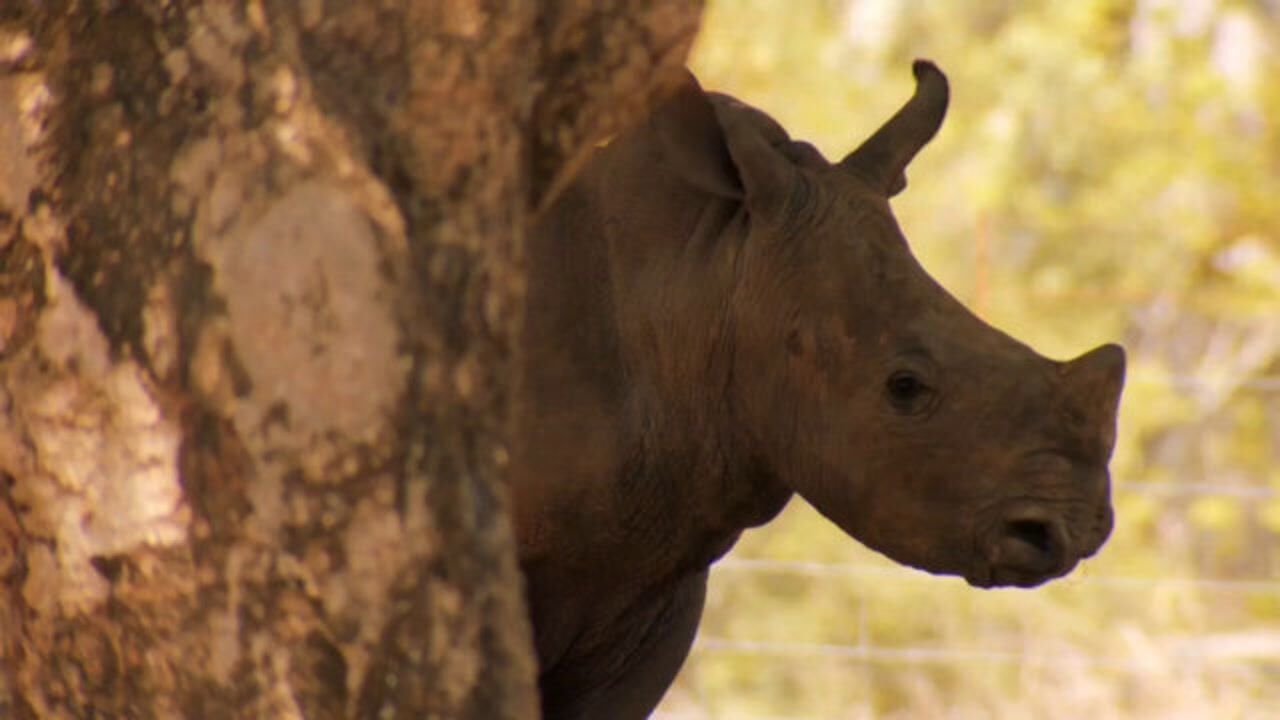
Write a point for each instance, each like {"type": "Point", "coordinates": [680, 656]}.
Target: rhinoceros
{"type": "Point", "coordinates": [719, 318]}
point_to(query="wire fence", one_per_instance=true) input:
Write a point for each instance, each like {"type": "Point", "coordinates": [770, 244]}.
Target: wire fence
{"type": "Point", "coordinates": [1266, 649]}
{"type": "Point", "coordinates": [1174, 489]}
{"type": "Point", "coordinates": [1261, 647]}
{"type": "Point", "coordinates": [1266, 384]}
{"type": "Point", "coordinates": [1178, 657]}
{"type": "Point", "coordinates": [857, 570]}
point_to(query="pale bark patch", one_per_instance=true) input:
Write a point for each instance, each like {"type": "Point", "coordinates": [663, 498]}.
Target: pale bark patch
{"type": "Point", "coordinates": [17, 173]}
{"type": "Point", "coordinates": [14, 46]}
{"type": "Point", "coordinates": [311, 318]}
{"type": "Point", "coordinates": [215, 42]}
{"type": "Point", "coordinates": [380, 546]}
{"type": "Point", "coordinates": [103, 459]}
{"type": "Point", "coordinates": [160, 328]}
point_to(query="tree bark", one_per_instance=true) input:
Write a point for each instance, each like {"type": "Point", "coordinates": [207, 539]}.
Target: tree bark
{"type": "Point", "coordinates": [260, 280]}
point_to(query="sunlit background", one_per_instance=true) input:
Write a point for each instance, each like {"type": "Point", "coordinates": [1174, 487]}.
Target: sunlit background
{"type": "Point", "coordinates": [1109, 171]}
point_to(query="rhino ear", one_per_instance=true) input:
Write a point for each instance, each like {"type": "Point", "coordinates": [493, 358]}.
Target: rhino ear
{"type": "Point", "coordinates": [725, 148]}
{"type": "Point", "coordinates": [766, 172]}
{"type": "Point", "coordinates": [692, 141]}
{"type": "Point", "coordinates": [882, 160]}
{"type": "Point", "coordinates": [731, 110]}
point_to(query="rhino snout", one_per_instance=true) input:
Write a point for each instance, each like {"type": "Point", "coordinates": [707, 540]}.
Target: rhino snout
{"type": "Point", "coordinates": [1027, 546]}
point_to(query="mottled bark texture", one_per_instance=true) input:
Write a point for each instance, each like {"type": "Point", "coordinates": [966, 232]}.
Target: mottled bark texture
{"type": "Point", "coordinates": [260, 275]}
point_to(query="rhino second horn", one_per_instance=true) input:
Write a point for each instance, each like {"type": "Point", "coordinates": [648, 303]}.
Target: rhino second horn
{"type": "Point", "coordinates": [1096, 380]}
{"type": "Point", "coordinates": [882, 160]}
{"type": "Point", "coordinates": [1100, 369]}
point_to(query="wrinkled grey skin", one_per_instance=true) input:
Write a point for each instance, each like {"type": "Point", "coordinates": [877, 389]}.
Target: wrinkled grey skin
{"type": "Point", "coordinates": [719, 318]}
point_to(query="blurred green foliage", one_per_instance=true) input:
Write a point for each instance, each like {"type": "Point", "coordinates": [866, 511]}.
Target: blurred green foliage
{"type": "Point", "coordinates": [1109, 170]}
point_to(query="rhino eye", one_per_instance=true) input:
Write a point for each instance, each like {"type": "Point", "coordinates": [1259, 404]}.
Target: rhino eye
{"type": "Point", "coordinates": [908, 393]}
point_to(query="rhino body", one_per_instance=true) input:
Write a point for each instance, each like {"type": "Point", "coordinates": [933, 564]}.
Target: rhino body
{"type": "Point", "coordinates": [718, 319]}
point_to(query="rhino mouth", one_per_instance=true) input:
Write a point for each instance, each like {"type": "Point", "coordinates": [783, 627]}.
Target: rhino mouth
{"type": "Point", "coordinates": [1026, 547]}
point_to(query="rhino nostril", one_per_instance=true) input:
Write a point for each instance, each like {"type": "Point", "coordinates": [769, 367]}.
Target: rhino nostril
{"type": "Point", "coordinates": [1028, 545]}
{"type": "Point", "coordinates": [1030, 550]}
{"type": "Point", "coordinates": [1032, 532]}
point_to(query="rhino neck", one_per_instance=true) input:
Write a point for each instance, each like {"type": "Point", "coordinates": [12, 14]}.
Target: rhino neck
{"type": "Point", "coordinates": [628, 358]}
{"type": "Point", "coordinates": [674, 257]}
{"type": "Point", "coordinates": [690, 486]}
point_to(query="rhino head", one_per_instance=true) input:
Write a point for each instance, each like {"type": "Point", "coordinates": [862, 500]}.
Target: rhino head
{"type": "Point", "coordinates": [864, 386]}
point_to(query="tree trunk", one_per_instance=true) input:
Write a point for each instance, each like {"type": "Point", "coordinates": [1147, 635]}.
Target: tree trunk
{"type": "Point", "coordinates": [260, 279]}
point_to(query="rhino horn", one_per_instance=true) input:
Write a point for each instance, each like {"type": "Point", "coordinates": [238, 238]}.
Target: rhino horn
{"type": "Point", "coordinates": [883, 158]}
{"type": "Point", "coordinates": [1095, 380]}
